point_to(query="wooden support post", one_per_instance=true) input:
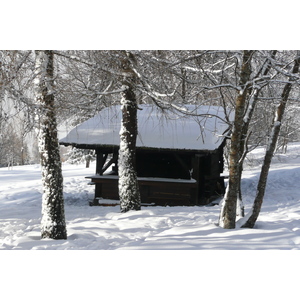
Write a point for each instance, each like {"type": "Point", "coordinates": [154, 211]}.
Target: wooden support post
{"type": "Point", "coordinates": [101, 159]}
{"type": "Point", "coordinates": [198, 175]}
{"type": "Point", "coordinates": [112, 160]}
{"type": "Point", "coordinates": [99, 162]}
{"type": "Point", "coordinates": [182, 163]}
{"type": "Point", "coordinates": [195, 175]}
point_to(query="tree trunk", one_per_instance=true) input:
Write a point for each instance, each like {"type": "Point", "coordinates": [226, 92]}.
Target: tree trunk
{"type": "Point", "coordinates": [240, 209]}
{"type": "Point", "coordinates": [53, 217]}
{"type": "Point", "coordinates": [245, 129]}
{"type": "Point", "coordinates": [228, 209]}
{"type": "Point", "coordinates": [261, 186]}
{"type": "Point", "coordinates": [87, 156]}
{"type": "Point", "coordinates": [183, 88]}
{"type": "Point", "coordinates": [128, 185]}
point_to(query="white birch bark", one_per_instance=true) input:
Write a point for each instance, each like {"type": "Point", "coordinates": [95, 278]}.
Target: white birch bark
{"type": "Point", "coordinates": [53, 216]}
{"type": "Point", "coordinates": [128, 184]}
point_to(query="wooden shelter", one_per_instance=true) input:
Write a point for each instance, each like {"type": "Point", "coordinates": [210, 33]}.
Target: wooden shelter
{"type": "Point", "coordinates": [179, 157]}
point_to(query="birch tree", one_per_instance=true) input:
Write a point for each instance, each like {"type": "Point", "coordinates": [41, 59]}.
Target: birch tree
{"type": "Point", "coordinates": [122, 81]}
{"type": "Point", "coordinates": [250, 220]}
{"type": "Point", "coordinates": [53, 216]}
{"type": "Point", "coordinates": [260, 81]}
{"type": "Point", "coordinates": [128, 185]}
{"type": "Point", "coordinates": [228, 210]}
{"type": "Point", "coordinates": [251, 76]}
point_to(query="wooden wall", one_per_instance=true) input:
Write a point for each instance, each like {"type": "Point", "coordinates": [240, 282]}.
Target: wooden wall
{"type": "Point", "coordinates": [204, 168]}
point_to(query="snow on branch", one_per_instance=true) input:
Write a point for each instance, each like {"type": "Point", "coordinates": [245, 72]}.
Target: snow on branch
{"type": "Point", "coordinates": [148, 89]}
{"type": "Point", "coordinates": [292, 76]}
{"type": "Point", "coordinates": [96, 66]}
{"type": "Point", "coordinates": [209, 70]}
{"type": "Point", "coordinates": [105, 92]}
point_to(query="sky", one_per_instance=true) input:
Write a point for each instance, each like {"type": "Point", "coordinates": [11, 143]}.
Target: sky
{"type": "Point", "coordinates": [163, 25]}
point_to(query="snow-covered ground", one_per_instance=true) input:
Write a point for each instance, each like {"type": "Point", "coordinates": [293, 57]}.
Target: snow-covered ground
{"type": "Point", "coordinates": [278, 226]}
{"type": "Point", "coordinates": [150, 274]}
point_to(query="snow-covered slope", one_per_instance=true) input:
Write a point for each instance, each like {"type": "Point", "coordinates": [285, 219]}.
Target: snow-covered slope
{"type": "Point", "coordinates": [278, 226]}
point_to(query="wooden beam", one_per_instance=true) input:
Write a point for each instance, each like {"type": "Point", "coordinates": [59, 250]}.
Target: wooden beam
{"type": "Point", "coordinates": [182, 163]}
{"type": "Point", "coordinates": [198, 175]}
{"type": "Point", "coordinates": [101, 159]}
{"type": "Point", "coordinates": [110, 162]}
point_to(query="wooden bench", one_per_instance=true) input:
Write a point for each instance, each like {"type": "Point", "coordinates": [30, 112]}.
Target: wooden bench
{"type": "Point", "coordinates": [158, 191]}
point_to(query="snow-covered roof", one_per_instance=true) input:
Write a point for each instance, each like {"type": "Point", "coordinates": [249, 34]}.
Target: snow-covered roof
{"type": "Point", "coordinates": [167, 129]}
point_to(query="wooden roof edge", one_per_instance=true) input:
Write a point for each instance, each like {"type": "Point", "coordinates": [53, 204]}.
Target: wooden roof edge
{"type": "Point", "coordinates": [113, 148]}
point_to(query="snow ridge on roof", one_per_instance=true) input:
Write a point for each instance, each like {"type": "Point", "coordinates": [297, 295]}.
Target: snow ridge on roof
{"type": "Point", "coordinates": [169, 129]}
